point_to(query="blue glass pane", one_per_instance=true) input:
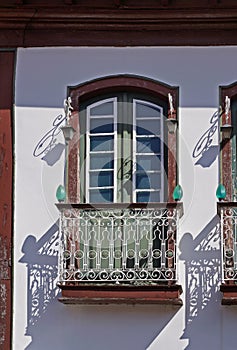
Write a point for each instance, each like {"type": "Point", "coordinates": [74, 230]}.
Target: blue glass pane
{"type": "Point", "coordinates": [100, 196]}
{"type": "Point", "coordinates": [98, 126]}
{"type": "Point", "coordinates": [146, 180]}
{"type": "Point", "coordinates": [106, 108]}
{"type": "Point", "coordinates": [101, 161]}
{"type": "Point", "coordinates": [148, 145]}
{"type": "Point", "coordinates": [144, 197]}
{"type": "Point", "coordinates": [155, 196]}
{"type": "Point", "coordinates": [155, 180]}
{"type": "Point", "coordinates": [101, 179]}
{"type": "Point", "coordinates": [142, 181]}
{"type": "Point", "coordinates": [148, 127]}
{"type": "Point", "coordinates": [142, 110]}
{"type": "Point", "coordinates": [148, 162]}
{"type": "Point", "coordinates": [101, 143]}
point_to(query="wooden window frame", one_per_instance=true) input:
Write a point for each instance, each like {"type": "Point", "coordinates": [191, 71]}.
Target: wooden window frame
{"type": "Point", "coordinates": [134, 138]}
{"type": "Point", "coordinates": [88, 152]}
{"type": "Point", "coordinates": [229, 91]}
{"type": "Point", "coordinates": [90, 89]}
{"type": "Point", "coordinates": [123, 122]}
{"type": "Point", "coordinates": [228, 287]}
{"type": "Point", "coordinates": [164, 293]}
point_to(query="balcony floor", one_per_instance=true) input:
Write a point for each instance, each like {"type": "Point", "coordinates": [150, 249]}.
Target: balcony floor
{"type": "Point", "coordinates": [121, 294]}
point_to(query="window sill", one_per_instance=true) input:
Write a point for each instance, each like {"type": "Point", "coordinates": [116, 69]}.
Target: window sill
{"type": "Point", "coordinates": [121, 294]}
{"type": "Point", "coordinates": [229, 294]}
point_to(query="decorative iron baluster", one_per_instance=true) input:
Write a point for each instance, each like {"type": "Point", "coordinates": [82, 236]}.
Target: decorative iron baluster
{"type": "Point", "coordinates": [118, 245]}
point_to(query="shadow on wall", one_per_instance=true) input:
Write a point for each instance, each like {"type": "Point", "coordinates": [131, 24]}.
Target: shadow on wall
{"type": "Point", "coordinates": [204, 150]}
{"type": "Point", "coordinates": [41, 259]}
{"type": "Point", "coordinates": [53, 325]}
{"type": "Point", "coordinates": [203, 305]}
{"type": "Point", "coordinates": [48, 147]}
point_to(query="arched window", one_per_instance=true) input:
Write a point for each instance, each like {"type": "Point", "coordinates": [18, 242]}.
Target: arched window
{"type": "Point", "coordinates": [126, 153]}
{"type": "Point", "coordinates": [123, 142]}
{"type": "Point", "coordinates": [119, 224]}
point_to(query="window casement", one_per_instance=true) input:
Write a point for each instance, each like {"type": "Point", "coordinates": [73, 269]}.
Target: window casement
{"type": "Point", "coordinates": [119, 224]}
{"type": "Point", "coordinates": [227, 206]}
{"type": "Point", "coordinates": [124, 152]}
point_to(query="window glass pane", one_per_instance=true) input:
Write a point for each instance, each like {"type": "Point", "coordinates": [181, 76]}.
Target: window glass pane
{"type": "Point", "coordinates": [100, 196]}
{"type": "Point", "coordinates": [98, 126]}
{"type": "Point", "coordinates": [155, 196]}
{"type": "Point", "coordinates": [148, 127]}
{"type": "Point", "coordinates": [142, 180]}
{"type": "Point", "coordinates": [146, 196]}
{"type": "Point", "coordinates": [101, 161]}
{"type": "Point", "coordinates": [150, 162]}
{"type": "Point", "coordinates": [143, 197]}
{"type": "Point", "coordinates": [146, 180]}
{"type": "Point", "coordinates": [101, 143]}
{"type": "Point", "coordinates": [143, 110]}
{"type": "Point", "coordinates": [141, 143]}
{"type": "Point", "coordinates": [148, 145]}
{"type": "Point", "coordinates": [106, 108]}
{"type": "Point", "coordinates": [101, 178]}
{"type": "Point", "coordinates": [155, 180]}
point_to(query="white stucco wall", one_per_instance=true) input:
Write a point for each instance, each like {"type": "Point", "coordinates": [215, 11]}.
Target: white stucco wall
{"type": "Point", "coordinates": [42, 76]}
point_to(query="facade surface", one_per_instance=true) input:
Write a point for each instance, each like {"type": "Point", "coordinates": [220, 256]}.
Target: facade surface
{"type": "Point", "coordinates": [42, 75]}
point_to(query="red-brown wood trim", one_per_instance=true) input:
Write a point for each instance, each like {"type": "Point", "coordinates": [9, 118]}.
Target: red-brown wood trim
{"type": "Point", "coordinates": [228, 90]}
{"type": "Point", "coordinates": [145, 4]}
{"type": "Point", "coordinates": [7, 61]}
{"type": "Point", "coordinates": [224, 205]}
{"type": "Point", "coordinates": [73, 162]}
{"type": "Point", "coordinates": [129, 22]}
{"type": "Point", "coordinates": [229, 296]}
{"type": "Point", "coordinates": [89, 294]}
{"type": "Point", "coordinates": [172, 165]}
{"type": "Point", "coordinates": [172, 150]}
{"type": "Point", "coordinates": [11, 38]}
{"type": "Point", "coordinates": [226, 168]}
{"type": "Point", "coordinates": [95, 87]}
{"type": "Point", "coordinates": [226, 145]}
{"type": "Point", "coordinates": [121, 206]}
{"type": "Point", "coordinates": [118, 82]}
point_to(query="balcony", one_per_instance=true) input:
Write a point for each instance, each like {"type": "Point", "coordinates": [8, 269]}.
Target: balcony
{"type": "Point", "coordinates": [118, 253]}
{"type": "Point", "coordinates": [228, 218]}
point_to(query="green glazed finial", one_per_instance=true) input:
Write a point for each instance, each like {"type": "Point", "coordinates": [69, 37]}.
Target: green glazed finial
{"type": "Point", "coordinates": [178, 193]}
{"type": "Point", "coordinates": [61, 193]}
{"type": "Point", "coordinates": [221, 192]}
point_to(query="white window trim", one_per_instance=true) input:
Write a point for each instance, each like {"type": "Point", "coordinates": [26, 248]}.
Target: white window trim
{"type": "Point", "coordinates": [88, 134]}
{"type": "Point", "coordinates": [134, 152]}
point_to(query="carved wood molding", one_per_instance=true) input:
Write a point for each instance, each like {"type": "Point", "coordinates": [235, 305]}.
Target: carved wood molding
{"type": "Point", "coordinates": [95, 87]}
{"type": "Point", "coordinates": [89, 18]}
{"type": "Point", "coordinates": [164, 22]}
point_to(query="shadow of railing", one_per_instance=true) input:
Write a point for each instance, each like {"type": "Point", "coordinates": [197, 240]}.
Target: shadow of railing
{"type": "Point", "coordinates": [203, 270]}
{"type": "Point", "coordinates": [41, 259]}
{"type": "Point", "coordinates": [53, 325]}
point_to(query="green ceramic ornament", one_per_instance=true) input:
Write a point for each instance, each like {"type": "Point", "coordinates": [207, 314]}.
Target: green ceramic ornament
{"type": "Point", "coordinates": [221, 192]}
{"type": "Point", "coordinates": [61, 193]}
{"type": "Point", "coordinates": [178, 193]}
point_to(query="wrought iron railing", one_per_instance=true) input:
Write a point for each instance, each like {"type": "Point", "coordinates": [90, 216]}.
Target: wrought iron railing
{"type": "Point", "coordinates": [228, 219]}
{"type": "Point", "coordinates": [116, 243]}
